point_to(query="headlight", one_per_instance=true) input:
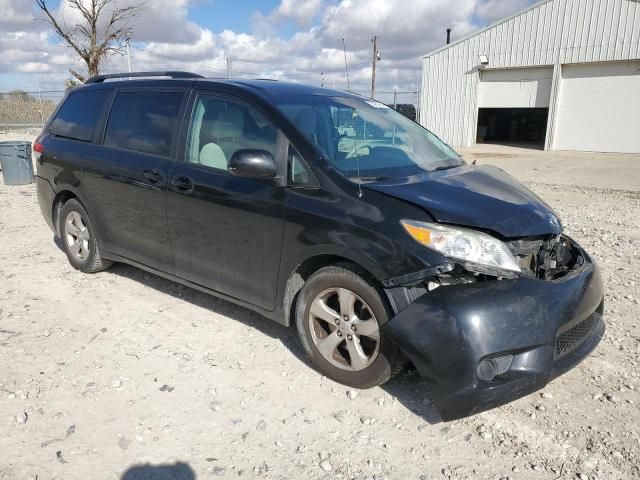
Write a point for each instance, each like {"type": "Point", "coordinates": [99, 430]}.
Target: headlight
{"type": "Point", "coordinates": [472, 249]}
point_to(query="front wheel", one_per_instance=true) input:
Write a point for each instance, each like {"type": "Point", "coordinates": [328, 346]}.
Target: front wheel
{"type": "Point", "coordinates": [338, 316]}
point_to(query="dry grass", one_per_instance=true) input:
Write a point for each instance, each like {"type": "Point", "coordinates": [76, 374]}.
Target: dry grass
{"type": "Point", "coordinates": [22, 108]}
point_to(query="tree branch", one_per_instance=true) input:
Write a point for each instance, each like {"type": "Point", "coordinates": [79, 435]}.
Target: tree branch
{"type": "Point", "coordinates": [101, 32]}
{"type": "Point", "coordinates": [53, 22]}
{"type": "Point", "coordinates": [77, 75]}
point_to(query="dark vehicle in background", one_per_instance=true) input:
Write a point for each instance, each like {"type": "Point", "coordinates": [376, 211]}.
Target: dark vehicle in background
{"type": "Point", "coordinates": [330, 211]}
{"type": "Point", "coordinates": [406, 109]}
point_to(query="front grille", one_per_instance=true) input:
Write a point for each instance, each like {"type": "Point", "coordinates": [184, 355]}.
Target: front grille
{"type": "Point", "coordinates": [568, 341]}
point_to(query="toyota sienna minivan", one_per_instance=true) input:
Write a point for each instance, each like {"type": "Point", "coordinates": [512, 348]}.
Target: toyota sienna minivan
{"type": "Point", "coordinates": [329, 211]}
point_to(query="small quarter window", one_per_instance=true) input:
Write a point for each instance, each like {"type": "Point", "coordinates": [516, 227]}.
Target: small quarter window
{"type": "Point", "coordinates": [299, 174]}
{"type": "Point", "coordinates": [79, 114]}
{"type": "Point", "coordinates": [143, 121]}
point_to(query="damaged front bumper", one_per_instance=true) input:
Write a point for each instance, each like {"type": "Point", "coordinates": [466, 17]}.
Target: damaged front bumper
{"type": "Point", "coordinates": [481, 345]}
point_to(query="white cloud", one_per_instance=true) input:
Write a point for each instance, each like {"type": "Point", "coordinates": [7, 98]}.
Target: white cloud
{"type": "Point", "coordinates": [488, 11]}
{"type": "Point", "coordinates": [202, 46]}
{"type": "Point", "coordinates": [301, 12]}
{"type": "Point", "coordinates": [33, 67]}
{"type": "Point", "coordinates": [158, 20]}
{"type": "Point", "coordinates": [166, 21]}
{"type": "Point", "coordinates": [15, 16]}
{"type": "Point", "coordinates": [164, 38]}
{"type": "Point", "coordinates": [407, 28]}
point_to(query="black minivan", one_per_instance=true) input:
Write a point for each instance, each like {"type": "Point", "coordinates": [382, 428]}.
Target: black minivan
{"type": "Point", "coordinates": [331, 211]}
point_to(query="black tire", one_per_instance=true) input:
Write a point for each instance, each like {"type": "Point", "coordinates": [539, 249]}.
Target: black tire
{"type": "Point", "coordinates": [93, 262]}
{"type": "Point", "coordinates": [389, 360]}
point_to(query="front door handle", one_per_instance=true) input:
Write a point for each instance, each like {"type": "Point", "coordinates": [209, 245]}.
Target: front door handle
{"type": "Point", "coordinates": [153, 175]}
{"type": "Point", "coordinates": [182, 183]}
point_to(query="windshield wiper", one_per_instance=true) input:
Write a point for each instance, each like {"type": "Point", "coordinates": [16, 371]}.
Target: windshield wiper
{"type": "Point", "coordinates": [373, 179]}
{"type": "Point", "coordinates": [446, 167]}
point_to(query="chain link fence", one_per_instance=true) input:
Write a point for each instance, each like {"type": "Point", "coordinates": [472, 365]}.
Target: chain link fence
{"type": "Point", "coordinates": [25, 111]}
{"type": "Point", "coordinates": [406, 102]}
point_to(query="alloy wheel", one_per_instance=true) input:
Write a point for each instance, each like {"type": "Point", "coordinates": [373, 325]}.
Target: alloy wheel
{"type": "Point", "coordinates": [77, 236]}
{"type": "Point", "coordinates": [344, 329]}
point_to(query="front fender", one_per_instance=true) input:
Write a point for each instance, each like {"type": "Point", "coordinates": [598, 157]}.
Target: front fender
{"type": "Point", "coordinates": [365, 231]}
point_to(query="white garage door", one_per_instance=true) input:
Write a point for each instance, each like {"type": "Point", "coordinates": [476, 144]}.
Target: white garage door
{"type": "Point", "coordinates": [515, 88]}
{"type": "Point", "coordinates": [599, 108]}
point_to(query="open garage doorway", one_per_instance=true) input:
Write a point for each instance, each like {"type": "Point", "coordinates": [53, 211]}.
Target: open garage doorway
{"type": "Point", "coordinates": [526, 126]}
{"type": "Point", "coordinates": [513, 106]}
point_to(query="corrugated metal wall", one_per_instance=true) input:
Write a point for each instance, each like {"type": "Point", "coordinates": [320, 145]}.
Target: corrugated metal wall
{"type": "Point", "coordinates": [552, 32]}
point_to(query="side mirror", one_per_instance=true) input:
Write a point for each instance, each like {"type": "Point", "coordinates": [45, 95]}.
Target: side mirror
{"type": "Point", "coordinates": [252, 163]}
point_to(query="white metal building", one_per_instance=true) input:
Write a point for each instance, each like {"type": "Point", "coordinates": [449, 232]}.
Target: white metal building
{"type": "Point", "coordinates": [563, 73]}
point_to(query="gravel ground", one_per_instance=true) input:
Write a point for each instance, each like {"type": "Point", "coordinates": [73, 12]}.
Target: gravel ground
{"type": "Point", "coordinates": [125, 375]}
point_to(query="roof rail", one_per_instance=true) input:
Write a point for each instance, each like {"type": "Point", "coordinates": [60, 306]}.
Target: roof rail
{"type": "Point", "coordinates": [170, 74]}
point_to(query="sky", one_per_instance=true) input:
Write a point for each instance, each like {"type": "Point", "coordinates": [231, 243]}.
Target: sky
{"type": "Point", "coordinates": [295, 40]}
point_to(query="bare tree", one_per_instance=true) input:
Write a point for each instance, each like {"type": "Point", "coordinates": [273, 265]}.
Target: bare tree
{"type": "Point", "coordinates": [103, 30]}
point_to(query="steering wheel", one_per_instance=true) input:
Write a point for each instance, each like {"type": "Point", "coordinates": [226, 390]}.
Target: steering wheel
{"type": "Point", "coordinates": [356, 149]}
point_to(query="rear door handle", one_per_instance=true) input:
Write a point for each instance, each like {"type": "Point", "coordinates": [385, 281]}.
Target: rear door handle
{"type": "Point", "coordinates": [182, 183]}
{"type": "Point", "coordinates": [153, 175]}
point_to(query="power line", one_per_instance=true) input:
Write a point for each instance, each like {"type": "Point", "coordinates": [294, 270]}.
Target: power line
{"type": "Point", "coordinates": [35, 92]}
{"type": "Point", "coordinates": [361, 64]}
{"type": "Point", "coordinates": [298, 74]}
{"type": "Point", "coordinates": [167, 57]}
{"type": "Point", "coordinates": [224, 69]}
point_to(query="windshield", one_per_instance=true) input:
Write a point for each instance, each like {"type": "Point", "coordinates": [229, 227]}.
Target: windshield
{"type": "Point", "coordinates": [366, 139]}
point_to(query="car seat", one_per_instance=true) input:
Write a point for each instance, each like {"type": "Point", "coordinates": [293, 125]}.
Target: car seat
{"type": "Point", "coordinates": [226, 131]}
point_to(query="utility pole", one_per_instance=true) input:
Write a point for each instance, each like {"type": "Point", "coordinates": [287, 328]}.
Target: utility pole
{"type": "Point", "coordinates": [128, 56]}
{"type": "Point", "coordinates": [228, 67]}
{"type": "Point", "coordinates": [376, 59]}
{"type": "Point", "coordinates": [418, 87]}
{"type": "Point", "coordinates": [40, 102]}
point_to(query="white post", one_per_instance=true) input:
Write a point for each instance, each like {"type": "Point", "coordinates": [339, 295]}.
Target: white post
{"type": "Point", "coordinates": [395, 107]}
{"type": "Point", "coordinates": [40, 103]}
{"type": "Point", "coordinates": [418, 105]}
{"type": "Point", "coordinates": [128, 56]}
{"type": "Point", "coordinates": [228, 67]}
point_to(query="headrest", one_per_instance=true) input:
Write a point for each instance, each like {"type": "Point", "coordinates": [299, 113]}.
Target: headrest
{"type": "Point", "coordinates": [306, 121]}
{"type": "Point", "coordinates": [229, 123]}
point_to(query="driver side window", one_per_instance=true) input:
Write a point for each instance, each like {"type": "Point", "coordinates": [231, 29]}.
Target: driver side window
{"type": "Point", "coordinates": [220, 127]}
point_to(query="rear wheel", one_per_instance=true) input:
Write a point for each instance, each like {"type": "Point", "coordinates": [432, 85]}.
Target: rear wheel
{"type": "Point", "coordinates": [79, 239]}
{"type": "Point", "coordinates": [338, 316]}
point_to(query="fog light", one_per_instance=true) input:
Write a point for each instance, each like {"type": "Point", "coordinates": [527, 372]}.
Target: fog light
{"type": "Point", "coordinates": [490, 367]}
{"type": "Point", "coordinates": [487, 369]}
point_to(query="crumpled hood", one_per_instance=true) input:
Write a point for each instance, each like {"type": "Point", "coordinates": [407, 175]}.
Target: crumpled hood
{"type": "Point", "coordinates": [480, 197]}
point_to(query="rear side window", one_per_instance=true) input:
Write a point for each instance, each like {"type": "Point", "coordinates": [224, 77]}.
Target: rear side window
{"type": "Point", "coordinates": [143, 121]}
{"type": "Point", "coordinates": [79, 114]}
